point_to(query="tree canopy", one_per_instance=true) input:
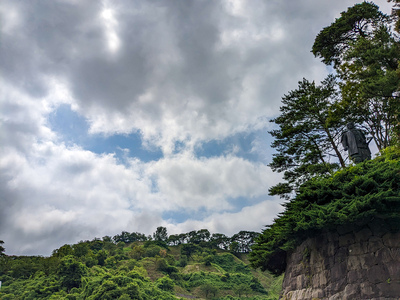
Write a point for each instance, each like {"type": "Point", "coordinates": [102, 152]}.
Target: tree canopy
{"type": "Point", "coordinates": [360, 20]}
{"type": "Point", "coordinates": [365, 54]}
{"type": "Point", "coordinates": [308, 137]}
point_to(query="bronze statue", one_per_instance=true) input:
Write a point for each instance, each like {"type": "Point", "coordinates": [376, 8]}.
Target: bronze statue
{"type": "Point", "coordinates": [353, 140]}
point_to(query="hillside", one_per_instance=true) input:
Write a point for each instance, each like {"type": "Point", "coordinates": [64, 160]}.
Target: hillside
{"type": "Point", "coordinates": [105, 269]}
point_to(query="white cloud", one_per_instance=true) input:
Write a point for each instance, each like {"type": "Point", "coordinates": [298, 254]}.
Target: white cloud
{"type": "Point", "coordinates": [191, 183]}
{"type": "Point", "coordinates": [176, 72]}
{"type": "Point", "coordinates": [250, 218]}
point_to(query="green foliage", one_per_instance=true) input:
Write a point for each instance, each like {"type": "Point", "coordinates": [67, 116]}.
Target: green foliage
{"type": "Point", "coordinates": [231, 264]}
{"type": "Point", "coordinates": [70, 271]}
{"type": "Point", "coordinates": [209, 289]}
{"type": "Point", "coordinates": [365, 54]}
{"type": "Point", "coordinates": [160, 234]}
{"type": "Point", "coordinates": [102, 269]}
{"type": "Point", "coordinates": [189, 249]}
{"type": "Point", "coordinates": [361, 192]}
{"type": "Point", "coordinates": [333, 41]}
{"type": "Point", "coordinates": [308, 134]}
{"type": "Point", "coordinates": [165, 283]}
{"type": "Point", "coordinates": [2, 249]}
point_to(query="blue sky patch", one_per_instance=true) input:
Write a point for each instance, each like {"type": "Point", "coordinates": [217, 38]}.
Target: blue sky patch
{"type": "Point", "coordinates": [180, 216]}
{"type": "Point", "coordinates": [240, 144]}
{"type": "Point", "coordinates": [74, 130]}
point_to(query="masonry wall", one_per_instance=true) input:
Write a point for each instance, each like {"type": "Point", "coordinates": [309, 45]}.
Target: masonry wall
{"type": "Point", "coordinates": [352, 262]}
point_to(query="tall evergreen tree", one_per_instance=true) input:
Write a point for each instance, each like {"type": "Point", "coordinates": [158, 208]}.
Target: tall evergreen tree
{"type": "Point", "coordinates": [365, 54]}
{"type": "Point", "coordinates": [308, 136]}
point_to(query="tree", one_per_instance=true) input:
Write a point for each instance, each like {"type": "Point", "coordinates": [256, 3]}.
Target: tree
{"type": "Point", "coordinates": [242, 289]}
{"type": "Point", "coordinates": [203, 235]}
{"type": "Point", "coordinates": [165, 283]}
{"type": "Point", "coordinates": [63, 251]}
{"type": "Point", "coordinates": [160, 234]}
{"type": "Point", "coordinates": [333, 41]}
{"type": "Point", "coordinates": [365, 55]}
{"type": "Point", "coordinates": [219, 240]}
{"type": "Point", "coordinates": [80, 249]}
{"type": "Point", "coordinates": [189, 249]}
{"type": "Point", "coordinates": [244, 240]}
{"type": "Point", "coordinates": [370, 82]}
{"type": "Point", "coordinates": [208, 289]}
{"type": "Point", "coordinates": [2, 249]}
{"type": "Point", "coordinates": [70, 272]}
{"type": "Point", "coordinates": [173, 240]}
{"type": "Point", "coordinates": [308, 136]}
{"type": "Point", "coordinates": [396, 13]}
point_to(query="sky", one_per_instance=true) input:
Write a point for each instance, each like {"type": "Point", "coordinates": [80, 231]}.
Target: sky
{"type": "Point", "coordinates": [129, 115]}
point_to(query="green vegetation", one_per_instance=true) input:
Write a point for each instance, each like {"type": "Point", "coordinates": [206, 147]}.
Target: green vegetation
{"type": "Point", "coordinates": [364, 53]}
{"type": "Point", "coordinates": [133, 266]}
{"type": "Point", "coordinates": [359, 193]}
{"type": "Point", "coordinates": [322, 192]}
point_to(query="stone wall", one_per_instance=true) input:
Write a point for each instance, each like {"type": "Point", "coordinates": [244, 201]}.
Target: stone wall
{"type": "Point", "coordinates": [352, 262]}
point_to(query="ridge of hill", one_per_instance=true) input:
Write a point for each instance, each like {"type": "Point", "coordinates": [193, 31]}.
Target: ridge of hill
{"type": "Point", "coordinates": [101, 269]}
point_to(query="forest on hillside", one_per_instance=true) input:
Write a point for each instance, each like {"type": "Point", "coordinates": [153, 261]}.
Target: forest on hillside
{"type": "Point", "coordinates": [133, 266]}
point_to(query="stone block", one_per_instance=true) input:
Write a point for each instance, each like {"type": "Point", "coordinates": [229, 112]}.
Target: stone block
{"type": "Point", "coordinates": [338, 285]}
{"type": "Point", "coordinates": [389, 289]}
{"type": "Point", "coordinates": [378, 227]}
{"type": "Point", "coordinates": [394, 272]}
{"type": "Point", "coordinates": [330, 249]}
{"type": "Point", "coordinates": [341, 255]}
{"type": "Point", "coordinates": [332, 237]}
{"type": "Point", "coordinates": [296, 269]}
{"type": "Point", "coordinates": [357, 262]}
{"type": "Point", "coordinates": [387, 255]}
{"type": "Point", "coordinates": [392, 240]}
{"type": "Point", "coordinates": [302, 282]}
{"type": "Point", "coordinates": [346, 240]}
{"type": "Point", "coordinates": [317, 294]}
{"type": "Point", "coordinates": [320, 279]}
{"type": "Point", "coordinates": [329, 261]}
{"type": "Point", "coordinates": [358, 248]}
{"type": "Point", "coordinates": [339, 271]}
{"type": "Point", "coordinates": [363, 235]}
{"type": "Point", "coordinates": [368, 291]}
{"type": "Point", "coordinates": [377, 274]}
{"type": "Point", "coordinates": [344, 229]}
{"type": "Point", "coordinates": [351, 292]}
{"type": "Point", "coordinates": [374, 244]}
{"type": "Point", "coordinates": [356, 276]}
{"type": "Point", "coordinates": [395, 253]}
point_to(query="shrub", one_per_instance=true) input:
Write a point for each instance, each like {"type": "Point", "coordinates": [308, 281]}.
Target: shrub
{"type": "Point", "coordinates": [357, 193]}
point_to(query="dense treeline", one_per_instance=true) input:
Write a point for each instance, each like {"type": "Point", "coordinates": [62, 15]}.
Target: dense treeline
{"type": "Point", "coordinates": [240, 242]}
{"type": "Point", "coordinates": [133, 266]}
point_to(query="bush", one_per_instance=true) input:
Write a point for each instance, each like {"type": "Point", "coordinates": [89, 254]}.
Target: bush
{"type": "Point", "coordinates": [358, 193]}
{"type": "Point", "coordinates": [165, 283]}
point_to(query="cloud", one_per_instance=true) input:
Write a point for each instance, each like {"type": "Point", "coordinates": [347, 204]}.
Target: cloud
{"type": "Point", "coordinates": [177, 70]}
{"type": "Point", "coordinates": [249, 218]}
{"type": "Point", "coordinates": [71, 194]}
{"type": "Point", "coordinates": [191, 183]}
{"type": "Point", "coordinates": [181, 74]}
